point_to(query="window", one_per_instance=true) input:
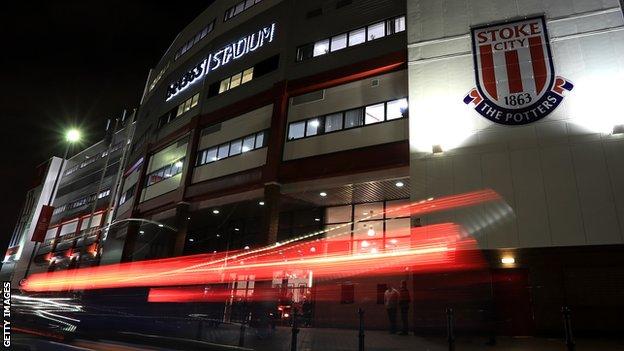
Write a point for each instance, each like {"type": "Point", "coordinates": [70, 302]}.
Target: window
{"type": "Point", "coordinates": [223, 152]}
{"type": "Point", "coordinates": [354, 118]}
{"type": "Point", "coordinates": [347, 293]}
{"type": "Point", "coordinates": [396, 109]}
{"type": "Point", "coordinates": [321, 47]}
{"type": "Point", "coordinates": [238, 8]}
{"type": "Point", "coordinates": [225, 85]}
{"type": "Point", "coordinates": [177, 111]}
{"type": "Point", "coordinates": [333, 122]}
{"type": "Point", "coordinates": [247, 75]}
{"type": "Point", "coordinates": [374, 114]}
{"type": "Point", "coordinates": [296, 130]}
{"type": "Point", "coordinates": [376, 31]}
{"type": "Point", "coordinates": [235, 80]}
{"type": "Point", "coordinates": [351, 38]}
{"type": "Point", "coordinates": [357, 36]}
{"type": "Point", "coordinates": [194, 40]}
{"type": "Point", "coordinates": [313, 126]}
{"type": "Point", "coordinates": [248, 143]}
{"type": "Point", "coordinates": [165, 172]}
{"type": "Point", "coordinates": [232, 148]}
{"type": "Point", "coordinates": [127, 195]}
{"type": "Point", "coordinates": [339, 42]}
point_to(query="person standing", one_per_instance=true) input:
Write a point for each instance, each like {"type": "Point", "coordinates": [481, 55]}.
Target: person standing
{"type": "Point", "coordinates": [404, 302]}
{"type": "Point", "coordinates": [391, 301]}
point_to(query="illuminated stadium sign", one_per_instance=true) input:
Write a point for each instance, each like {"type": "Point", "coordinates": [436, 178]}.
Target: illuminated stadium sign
{"type": "Point", "coordinates": [222, 57]}
{"type": "Point", "coordinates": [514, 72]}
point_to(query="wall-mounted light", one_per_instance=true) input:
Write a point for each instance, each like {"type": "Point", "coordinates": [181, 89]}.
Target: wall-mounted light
{"type": "Point", "coordinates": [508, 260]}
{"type": "Point", "coordinates": [399, 184]}
{"type": "Point", "coordinates": [322, 194]}
{"type": "Point", "coordinates": [261, 203]}
{"type": "Point", "coordinates": [215, 211]}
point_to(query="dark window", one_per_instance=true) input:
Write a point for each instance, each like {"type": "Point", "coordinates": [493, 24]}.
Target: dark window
{"type": "Point", "coordinates": [213, 89]}
{"type": "Point", "coordinates": [354, 118]}
{"type": "Point", "coordinates": [305, 52]}
{"type": "Point", "coordinates": [266, 66]}
{"type": "Point", "coordinates": [347, 293]}
{"type": "Point", "coordinates": [343, 3]}
{"type": "Point", "coordinates": [381, 290]}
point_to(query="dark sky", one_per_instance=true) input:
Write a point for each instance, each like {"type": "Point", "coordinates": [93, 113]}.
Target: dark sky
{"type": "Point", "coordinates": [72, 62]}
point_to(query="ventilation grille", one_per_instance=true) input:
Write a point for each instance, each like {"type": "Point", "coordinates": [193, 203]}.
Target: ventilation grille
{"type": "Point", "coordinates": [309, 97]}
{"type": "Point", "coordinates": [212, 129]}
{"type": "Point", "coordinates": [375, 83]}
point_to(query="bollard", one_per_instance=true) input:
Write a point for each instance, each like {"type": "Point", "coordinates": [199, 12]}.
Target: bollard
{"type": "Point", "coordinates": [567, 326]}
{"type": "Point", "coordinates": [295, 331]}
{"type": "Point", "coordinates": [361, 333]}
{"type": "Point", "coordinates": [450, 332]}
{"type": "Point", "coordinates": [241, 336]}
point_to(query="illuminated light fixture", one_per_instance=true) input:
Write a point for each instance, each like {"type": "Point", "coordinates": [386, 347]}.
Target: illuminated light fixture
{"type": "Point", "coordinates": [315, 123]}
{"type": "Point", "coordinates": [261, 203]}
{"type": "Point", "coordinates": [323, 194]}
{"type": "Point", "coordinates": [436, 149]}
{"type": "Point", "coordinates": [246, 247]}
{"type": "Point", "coordinates": [188, 218]}
{"type": "Point", "coordinates": [365, 243]}
{"type": "Point", "coordinates": [393, 241]}
{"type": "Point", "coordinates": [141, 232]}
{"type": "Point", "coordinates": [236, 229]}
{"type": "Point", "coordinates": [286, 315]}
{"type": "Point", "coordinates": [72, 135]}
{"type": "Point", "coordinates": [430, 199]}
{"type": "Point", "coordinates": [317, 219]}
{"type": "Point", "coordinates": [215, 211]}
{"type": "Point", "coordinates": [374, 250]}
{"type": "Point", "coordinates": [161, 225]}
{"type": "Point", "coordinates": [191, 240]}
{"type": "Point", "coordinates": [508, 260]}
{"type": "Point", "coordinates": [618, 129]}
{"type": "Point", "coordinates": [313, 249]}
{"type": "Point", "coordinates": [218, 235]}
{"type": "Point", "coordinates": [179, 164]}
{"type": "Point", "coordinates": [399, 184]}
{"type": "Point", "coordinates": [370, 232]}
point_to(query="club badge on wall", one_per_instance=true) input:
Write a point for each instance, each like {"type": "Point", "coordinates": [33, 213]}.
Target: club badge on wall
{"type": "Point", "coordinates": [514, 72]}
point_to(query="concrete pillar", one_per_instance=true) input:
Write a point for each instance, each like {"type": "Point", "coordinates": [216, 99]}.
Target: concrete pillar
{"type": "Point", "coordinates": [181, 222]}
{"type": "Point", "coordinates": [270, 216]}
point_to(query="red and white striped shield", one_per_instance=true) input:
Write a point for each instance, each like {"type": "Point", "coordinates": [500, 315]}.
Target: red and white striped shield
{"type": "Point", "coordinates": [513, 62]}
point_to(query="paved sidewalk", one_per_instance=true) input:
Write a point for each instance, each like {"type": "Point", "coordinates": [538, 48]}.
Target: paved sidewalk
{"type": "Point", "coordinates": [314, 339]}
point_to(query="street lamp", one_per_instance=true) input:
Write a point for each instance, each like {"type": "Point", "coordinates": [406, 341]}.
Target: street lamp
{"type": "Point", "coordinates": [71, 136]}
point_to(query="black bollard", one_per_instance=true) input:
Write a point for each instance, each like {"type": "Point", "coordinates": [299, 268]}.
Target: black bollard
{"type": "Point", "coordinates": [567, 326]}
{"type": "Point", "coordinates": [241, 336]}
{"type": "Point", "coordinates": [450, 332]}
{"type": "Point", "coordinates": [361, 333]}
{"type": "Point", "coordinates": [295, 331]}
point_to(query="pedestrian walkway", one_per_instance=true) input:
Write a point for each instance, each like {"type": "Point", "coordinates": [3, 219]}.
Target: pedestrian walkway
{"type": "Point", "coordinates": [317, 339]}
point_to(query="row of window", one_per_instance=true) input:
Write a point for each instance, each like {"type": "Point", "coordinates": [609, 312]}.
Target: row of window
{"type": "Point", "coordinates": [179, 110]}
{"type": "Point", "coordinates": [81, 201]}
{"type": "Point", "coordinates": [165, 172]}
{"type": "Point", "coordinates": [232, 148]}
{"type": "Point", "coordinates": [258, 70]}
{"type": "Point", "coordinates": [90, 160]}
{"type": "Point", "coordinates": [351, 38]}
{"type": "Point", "coordinates": [158, 77]}
{"type": "Point", "coordinates": [236, 80]}
{"type": "Point", "coordinates": [127, 195]}
{"type": "Point", "coordinates": [357, 117]}
{"type": "Point", "coordinates": [239, 8]}
{"type": "Point", "coordinates": [194, 40]}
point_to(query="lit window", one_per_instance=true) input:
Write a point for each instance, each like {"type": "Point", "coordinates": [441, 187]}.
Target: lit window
{"type": "Point", "coordinates": [296, 130]}
{"type": "Point", "coordinates": [259, 140]}
{"type": "Point", "coordinates": [376, 31]}
{"type": "Point", "coordinates": [240, 7]}
{"type": "Point", "coordinates": [357, 36]}
{"type": "Point", "coordinates": [248, 143]}
{"type": "Point", "coordinates": [313, 126]}
{"type": "Point", "coordinates": [354, 118]}
{"type": "Point", "coordinates": [224, 149]}
{"type": "Point", "coordinates": [194, 100]}
{"type": "Point", "coordinates": [397, 109]}
{"type": "Point", "coordinates": [333, 122]}
{"type": "Point", "coordinates": [374, 114]}
{"type": "Point", "coordinates": [235, 147]}
{"type": "Point", "coordinates": [339, 42]}
{"type": "Point", "coordinates": [235, 80]}
{"type": "Point", "coordinates": [247, 75]}
{"type": "Point", "coordinates": [321, 47]}
{"type": "Point", "coordinates": [211, 155]}
{"type": "Point", "coordinates": [399, 24]}
{"type": "Point", "coordinates": [225, 85]}
{"type": "Point", "coordinates": [248, 4]}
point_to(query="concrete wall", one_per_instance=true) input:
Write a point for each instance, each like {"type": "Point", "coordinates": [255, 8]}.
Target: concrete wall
{"type": "Point", "coordinates": [563, 176]}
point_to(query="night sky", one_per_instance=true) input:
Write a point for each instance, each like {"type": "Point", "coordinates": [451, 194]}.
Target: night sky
{"type": "Point", "coordinates": [72, 63]}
